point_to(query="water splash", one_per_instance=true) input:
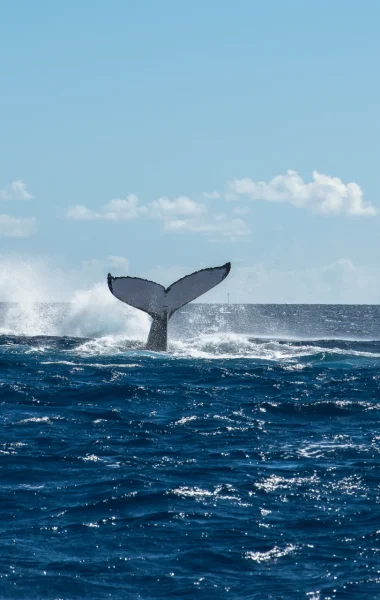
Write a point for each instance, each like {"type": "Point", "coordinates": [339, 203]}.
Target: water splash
{"type": "Point", "coordinates": [96, 313]}
{"type": "Point", "coordinates": [30, 290]}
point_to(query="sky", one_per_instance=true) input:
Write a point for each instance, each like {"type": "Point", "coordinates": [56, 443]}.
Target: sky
{"type": "Point", "coordinates": [156, 137]}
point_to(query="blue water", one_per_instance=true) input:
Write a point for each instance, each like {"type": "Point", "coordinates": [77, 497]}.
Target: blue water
{"type": "Point", "coordinates": [243, 464]}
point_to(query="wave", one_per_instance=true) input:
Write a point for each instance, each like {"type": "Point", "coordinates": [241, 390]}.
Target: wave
{"type": "Point", "coordinates": [294, 353]}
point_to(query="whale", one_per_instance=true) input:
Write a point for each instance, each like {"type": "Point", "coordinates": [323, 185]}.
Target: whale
{"type": "Point", "coordinates": [161, 303]}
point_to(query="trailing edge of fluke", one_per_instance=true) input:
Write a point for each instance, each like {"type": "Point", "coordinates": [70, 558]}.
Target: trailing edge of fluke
{"type": "Point", "coordinates": [161, 303]}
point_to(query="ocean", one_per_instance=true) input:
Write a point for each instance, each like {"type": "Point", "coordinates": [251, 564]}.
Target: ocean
{"type": "Point", "coordinates": [242, 464]}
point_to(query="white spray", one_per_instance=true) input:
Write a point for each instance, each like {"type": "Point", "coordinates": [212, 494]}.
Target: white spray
{"type": "Point", "coordinates": [32, 294]}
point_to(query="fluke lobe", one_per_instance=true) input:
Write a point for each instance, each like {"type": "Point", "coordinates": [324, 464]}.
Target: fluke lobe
{"type": "Point", "coordinates": [161, 303]}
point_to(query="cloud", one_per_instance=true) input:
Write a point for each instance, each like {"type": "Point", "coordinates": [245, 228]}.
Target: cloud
{"type": "Point", "coordinates": [126, 209]}
{"type": "Point", "coordinates": [211, 195]}
{"type": "Point", "coordinates": [183, 214]}
{"type": "Point", "coordinates": [164, 208]}
{"type": "Point", "coordinates": [17, 226]}
{"type": "Point", "coordinates": [241, 210]}
{"type": "Point", "coordinates": [129, 208]}
{"type": "Point", "coordinates": [19, 191]}
{"type": "Point", "coordinates": [81, 213]}
{"type": "Point", "coordinates": [15, 191]}
{"type": "Point", "coordinates": [324, 194]}
{"type": "Point", "coordinates": [180, 214]}
{"type": "Point", "coordinates": [116, 210]}
{"type": "Point", "coordinates": [105, 264]}
{"type": "Point", "coordinates": [220, 227]}
{"type": "Point", "coordinates": [119, 262]}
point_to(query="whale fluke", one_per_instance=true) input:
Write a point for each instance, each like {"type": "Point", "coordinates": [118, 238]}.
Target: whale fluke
{"type": "Point", "coordinates": [161, 303]}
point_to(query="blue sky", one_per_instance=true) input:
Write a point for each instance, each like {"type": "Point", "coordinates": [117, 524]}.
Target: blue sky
{"type": "Point", "coordinates": [134, 137]}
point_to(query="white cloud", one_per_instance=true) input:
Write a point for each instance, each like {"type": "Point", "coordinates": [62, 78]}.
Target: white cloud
{"type": "Point", "coordinates": [116, 210]}
{"type": "Point", "coordinates": [81, 213]}
{"type": "Point", "coordinates": [324, 194]}
{"type": "Point", "coordinates": [17, 226]}
{"type": "Point", "coordinates": [211, 195]}
{"type": "Point", "coordinates": [15, 191]}
{"type": "Point", "coordinates": [180, 214]}
{"type": "Point", "coordinates": [104, 264]}
{"type": "Point", "coordinates": [124, 209]}
{"type": "Point", "coordinates": [119, 262]}
{"type": "Point", "coordinates": [219, 227]}
{"type": "Point", "coordinates": [241, 210]}
{"type": "Point", "coordinates": [129, 208]}
{"type": "Point", "coordinates": [164, 208]}
{"type": "Point", "coordinates": [183, 214]}
{"type": "Point", "coordinates": [19, 191]}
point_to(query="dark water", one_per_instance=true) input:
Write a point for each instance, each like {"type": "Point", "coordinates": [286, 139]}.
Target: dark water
{"type": "Point", "coordinates": [244, 464]}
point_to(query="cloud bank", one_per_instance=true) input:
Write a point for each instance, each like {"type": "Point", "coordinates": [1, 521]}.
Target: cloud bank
{"type": "Point", "coordinates": [341, 281]}
{"type": "Point", "coordinates": [324, 195]}
{"type": "Point", "coordinates": [181, 214]}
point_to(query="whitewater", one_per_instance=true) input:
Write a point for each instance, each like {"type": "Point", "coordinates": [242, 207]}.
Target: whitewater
{"type": "Point", "coordinates": [243, 463]}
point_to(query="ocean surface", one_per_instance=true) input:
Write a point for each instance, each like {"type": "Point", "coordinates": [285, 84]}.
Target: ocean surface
{"type": "Point", "coordinates": [242, 464]}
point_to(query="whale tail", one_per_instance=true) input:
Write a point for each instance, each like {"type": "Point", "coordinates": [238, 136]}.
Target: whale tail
{"type": "Point", "coordinates": [161, 303]}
